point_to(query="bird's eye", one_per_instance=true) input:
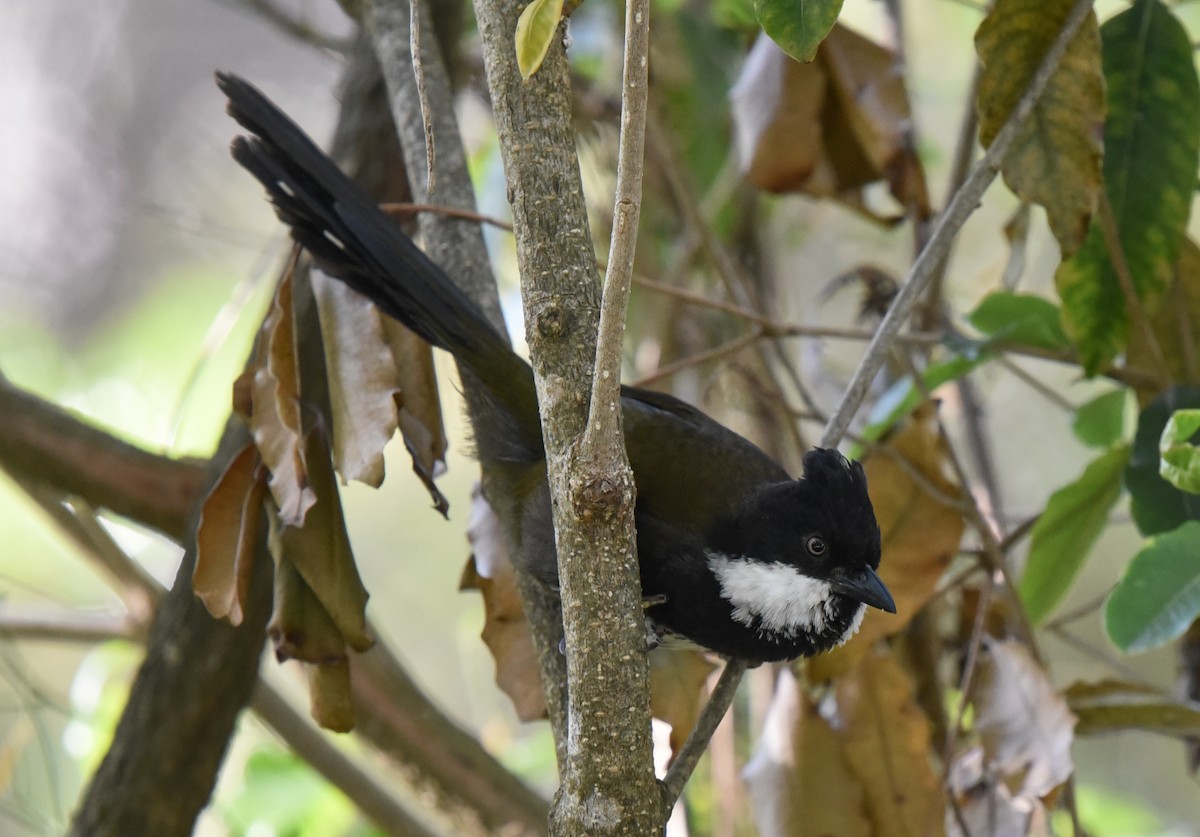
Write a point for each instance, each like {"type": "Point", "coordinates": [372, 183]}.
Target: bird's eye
{"type": "Point", "coordinates": [816, 546]}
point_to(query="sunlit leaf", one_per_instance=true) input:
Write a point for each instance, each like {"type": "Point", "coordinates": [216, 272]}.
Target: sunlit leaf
{"type": "Point", "coordinates": [798, 26]}
{"type": "Point", "coordinates": [1024, 319]}
{"type": "Point", "coordinates": [1180, 463]}
{"type": "Point", "coordinates": [1025, 725]}
{"type": "Point", "coordinates": [505, 631]}
{"type": "Point", "coordinates": [881, 729]}
{"type": "Point", "coordinates": [1159, 595]}
{"type": "Point", "coordinates": [536, 28]}
{"type": "Point", "coordinates": [1101, 421]}
{"type": "Point", "coordinates": [920, 527]}
{"type": "Point", "coordinates": [1151, 145]}
{"type": "Point", "coordinates": [275, 421]}
{"type": "Point", "coordinates": [1158, 506]}
{"type": "Point", "coordinates": [228, 535]}
{"type": "Point", "coordinates": [1063, 536]}
{"type": "Point", "coordinates": [1055, 160]}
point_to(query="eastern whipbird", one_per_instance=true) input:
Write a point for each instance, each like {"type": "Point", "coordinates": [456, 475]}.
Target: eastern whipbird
{"type": "Point", "coordinates": [735, 555]}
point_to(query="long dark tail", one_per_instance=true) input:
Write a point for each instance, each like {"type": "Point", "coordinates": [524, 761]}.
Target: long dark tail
{"type": "Point", "coordinates": [352, 240]}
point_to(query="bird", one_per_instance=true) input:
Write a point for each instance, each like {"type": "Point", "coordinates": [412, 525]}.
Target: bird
{"type": "Point", "coordinates": [735, 555]}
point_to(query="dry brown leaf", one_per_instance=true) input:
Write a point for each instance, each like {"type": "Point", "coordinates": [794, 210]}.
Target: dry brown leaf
{"type": "Point", "coordinates": [830, 127]}
{"type": "Point", "coordinates": [331, 703]}
{"type": "Point", "coordinates": [1024, 723]}
{"type": "Point", "coordinates": [885, 738]}
{"type": "Point", "coordinates": [420, 406]}
{"type": "Point", "coordinates": [799, 780]}
{"type": "Point", "coordinates": [920, 530]}
{"type": "Point", "coordinates": [320, 551]}
{"type": "Point", "coordinates": [275, 421]}
{"type": "Point", "coordinates": [227, 534]}
{"type": "Point", "coordinates": [505, 631]}
{"type": "Point", "coordinates": [300, 627]}
{"type": "Point", "coordinates": [677, 679]}
{"type": "Point", "coordinates": [363, 379]}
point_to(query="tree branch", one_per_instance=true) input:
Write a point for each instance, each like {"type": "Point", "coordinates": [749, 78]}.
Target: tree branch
{"type": "Point", "coordinates": [41, 443]}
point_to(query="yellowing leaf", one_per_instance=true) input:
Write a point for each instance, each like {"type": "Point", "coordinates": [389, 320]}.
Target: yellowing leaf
{"type": "Point", "coordinates": [920, 528]}
{"type": "Point", "coordinates": [1055, 161]}
{"type": "Point", "coordinates": [1175, 321]}
{"type": "Point", "coordinates": [227, 536]}
{"type": "Point", "coordinates": [677, 679]}
{"type": "Point", "coordinates": [275, 421]}
{"type": "Point", "coordinates": [536, 28]}
{"type": "Point", "coordinates": [505, 631]}
{"type": "Point", "coordinates": [886, 740]}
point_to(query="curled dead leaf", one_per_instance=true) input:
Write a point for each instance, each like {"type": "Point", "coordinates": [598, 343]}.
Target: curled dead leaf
{"type": "Point", "coordinates": [321, 553]}
{"type": "Point", "coordinates": [505, 631]}
{"type": "Point", "coordinates": [275, 420]}
{"type": "Point", "coordinates": [830, 127]}
{"type": "Point", "coordinates": [227, 536]}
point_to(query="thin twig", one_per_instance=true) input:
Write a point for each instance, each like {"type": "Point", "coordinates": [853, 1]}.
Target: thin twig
{"type": "Point", "coordinates": [403, 210]}
{"type": "Point", "coordinates": [723, 350]}
{"type": "Point", "coordinates": [691, 751]}
{"type": "Point", "coordinates": [603, 426]}
{"type": "Point", "coordinates": [1040, 387]}
{"type": "Point", "coordinates": [418, 68]}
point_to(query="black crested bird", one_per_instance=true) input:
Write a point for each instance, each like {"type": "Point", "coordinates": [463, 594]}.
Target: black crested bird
{"type": "Point", "coordinates": [735, 556]}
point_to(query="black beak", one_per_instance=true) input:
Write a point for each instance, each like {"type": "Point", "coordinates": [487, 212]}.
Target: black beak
{"type": "Point", "coordinates": [866, 587]}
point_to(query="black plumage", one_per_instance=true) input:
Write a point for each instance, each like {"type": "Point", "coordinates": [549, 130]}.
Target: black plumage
{"type": "Point", "coordinates": [740, 558]}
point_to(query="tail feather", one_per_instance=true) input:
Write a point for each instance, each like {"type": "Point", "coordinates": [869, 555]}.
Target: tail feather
{"type": "Point", "coordinates": [350, 239]}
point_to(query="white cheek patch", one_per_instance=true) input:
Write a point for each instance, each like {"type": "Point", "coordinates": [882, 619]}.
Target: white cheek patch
{"type": "Point", "coordinates": [779, 597]}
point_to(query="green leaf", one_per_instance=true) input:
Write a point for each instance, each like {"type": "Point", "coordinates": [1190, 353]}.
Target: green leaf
{"type": "Point", "coordinates": [535, 32]}
{"type": "Point", "coordinates": [1064, 534]}
{"type": "Point", "coordinates": [1151, 142]}
{"type": "Point", "coordinates": [1158, 506]}
{"type": "Point", "coordinates": [1055, 160]}
{"type": "Point", "coordinates": [1159, 596]}
{"type": "Point", "coordinates": [904, 395]}
{"type": "Point", "coordinates": [1020, 318]}
{"type": "Point", "coordinates": [1180, 463]}
{"type": "Point", "coordinates": [798, 26]}
{"type": "Point", "coordinates": [1101, 421]}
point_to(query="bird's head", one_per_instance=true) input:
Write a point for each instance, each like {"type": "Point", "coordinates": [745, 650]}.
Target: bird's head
{"type": "Point", "coordinates": [807, 551]}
